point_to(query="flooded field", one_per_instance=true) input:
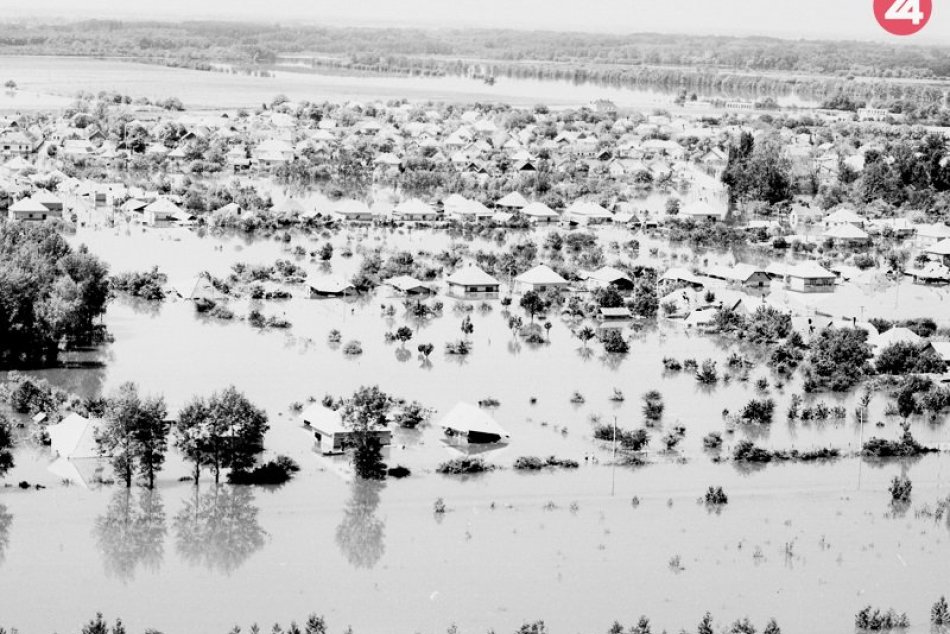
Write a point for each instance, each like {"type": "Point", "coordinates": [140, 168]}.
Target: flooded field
{"type": "Point", "coordinates": [51, 83]}
{"type": "Point", "coordinates": [807, 544]}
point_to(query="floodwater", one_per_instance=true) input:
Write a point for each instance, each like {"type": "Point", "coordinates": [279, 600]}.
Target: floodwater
{"type": "Point", "coordinates": [52, 82]}
{"type": "Point", "coordinates": [808, 544]}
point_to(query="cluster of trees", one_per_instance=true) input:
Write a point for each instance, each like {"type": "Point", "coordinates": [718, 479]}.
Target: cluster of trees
{"type": "Point", "coordinates": [758, 170]}
{"type": "Point", "coordinates": [50, 294]}
{"type": "Point", "coordinates": [223, 431]}
{"type": "Point", "coordinates": [837, 359]}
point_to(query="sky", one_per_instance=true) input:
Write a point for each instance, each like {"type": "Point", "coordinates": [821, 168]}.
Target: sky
{"type": "Point", "coordinates": [818, 19]}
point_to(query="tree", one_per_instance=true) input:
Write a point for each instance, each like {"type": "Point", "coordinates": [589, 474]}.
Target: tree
{"type": "Point", "coordinates": [613, 341]}
{"type": "Point", "coordinates": [902, 358]}
{"type": "Point", "coordinates": [366, 411]}
{"type": "Point", "coordinates": [190, 432]}
{"type": "Point", "coordinates": [837, 359]}
{"type": "Point", "coordinates": [49, 294]}
{"type": "Point", "coordinates": [672, 206]}
{"type": "Point", "coordinates": [467, 327]}
{"type": "Point", "coordinates": [645, 301]}
{"type": "Point", "coordinates": [226, 431]}
{"type": "Point", "coordinates": [534, 304]}
{"type": "Point", "coordinates": [585, 334]}
{"type": "Point", "coordinates": [10, 84]}
{"type": "Point", "coordinates": [135, 434]}
{"type": "Point", "coordinates": [403, 334]}
{"type": "Point", "coordinates": [6, 446]}
{"type": "Point", "coordinates": [426, 349]}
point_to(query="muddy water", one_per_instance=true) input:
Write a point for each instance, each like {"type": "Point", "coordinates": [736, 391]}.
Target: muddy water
{"type": "Point", "coordinates": [511, 547]}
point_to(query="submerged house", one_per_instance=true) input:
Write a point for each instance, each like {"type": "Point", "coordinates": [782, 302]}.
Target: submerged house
{"type": "Point", "coordinates": [331, 435]}
{"type": "Point", "coordinates": [161, 211]}
{"type": "Point", "coordinates": [408, 285]}
{"type": "Point", "coordinates": [473, 424]}
{"type": "Point", "coordinates": [608, 276]}
{"type": "Point", "coordinates": [541, 278]}
{"type": "Point", "coordinates": [744, 275]}
{"type": "Point", "coordinates": [808, 277]}
{"type": "Point", "coordinates": [330, 287]}
{"type": "Point", "coordinates": [73, 443]}
{"type": "Point", "coordinates": [472, 279]}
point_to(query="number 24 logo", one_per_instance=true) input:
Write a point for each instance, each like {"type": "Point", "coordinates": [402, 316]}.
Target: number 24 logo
{"type": "Point", "coordinates": [903, 17]}
{"type": "Point", "coordinates": [905, 10]}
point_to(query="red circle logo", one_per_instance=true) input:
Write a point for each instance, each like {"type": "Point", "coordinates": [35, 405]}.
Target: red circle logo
{"type": "Point", "coordinates": [903, 17]}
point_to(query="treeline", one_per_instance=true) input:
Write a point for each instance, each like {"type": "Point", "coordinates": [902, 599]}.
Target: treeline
{"type": "Point", "coordinates": [249, 42]}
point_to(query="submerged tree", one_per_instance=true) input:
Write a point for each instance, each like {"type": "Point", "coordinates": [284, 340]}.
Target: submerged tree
{"type": "Point", "coordinates": [135, 434]}
{"type": "Point", "coordinates": [365, 412]}
{"type": "Point", "coordinates": [6, 446]}
{"type": "Point", "coordinates": [225, 431]}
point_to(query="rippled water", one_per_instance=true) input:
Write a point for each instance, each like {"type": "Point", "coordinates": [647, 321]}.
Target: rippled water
{"type": "Point", "coordinates": [808, 544]}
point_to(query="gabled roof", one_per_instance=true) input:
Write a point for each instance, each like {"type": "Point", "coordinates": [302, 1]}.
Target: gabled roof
{"type": "Point", "coordinates": [514, 200]}
{"type": "Point", "coordinates": [609, 274]}
{"type": "Point", "coordinates": [541, 274]}
{"type": "Point", "coordinates": [466, 418]}
{"type": "Point", "coordinates": [471, 276]}
{"type": "Point", "coordinates": [539, 210]}
{"type": "Point", "coordinates": [941, 248]}
{"type": "Point", "coordinates": [163, 206]}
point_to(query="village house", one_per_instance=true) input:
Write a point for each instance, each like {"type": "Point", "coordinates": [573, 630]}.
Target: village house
{"type": "Point", "coordinates": [160, 212]}
{"type": "Point", "coordinates": [472, 279]}
{"type": "Point", "coordinates": [805, 277]}
{"type": "Point", "coordinates": [745, 275]}
{"type": "Point", "coordinates": [609, 277]}
{"type": "Point", "coordinates": [940, 252]}
{"type": "Point", "coordinates": [31, 210]}
{"type": "Point", "coordinates": [331, 435]}
{"type": "Point", "coordinates": [541, 278]}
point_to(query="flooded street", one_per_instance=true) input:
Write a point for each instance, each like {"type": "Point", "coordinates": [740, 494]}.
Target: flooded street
{"type": "Point", "coordinates": [570, 547]}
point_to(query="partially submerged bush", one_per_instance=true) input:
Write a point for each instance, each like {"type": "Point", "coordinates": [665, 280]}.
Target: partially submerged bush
{"type": "Point", "coordinates": [460, 347]}
{"type": "Point", "coordinates": [900, 489]}
{"type": "Point", "coordinates": [712, 440]}
{"type": "Point", "coordinates": [653, 405]}
{"type": "Point", "coordinates": [758, 411]}
{"type": "Point", "coordinates": [464, 465]}
{"type": "Point", "coordinates": [148, 285]}
{"type": "Point", "coordinates": [533, 463]}
{"type": "Point", "coordinates": [715, 496]}
{"type": "Point", "coordinates": [906, 446]}
{"type": "Point", "coordinates": [277, 471]}
{"type": "Point", "coordinates": [398, 471]}
{"type": "Point", "coordinates": [874, 620]}
{"type": "Point", "coordinates": [353, 348]}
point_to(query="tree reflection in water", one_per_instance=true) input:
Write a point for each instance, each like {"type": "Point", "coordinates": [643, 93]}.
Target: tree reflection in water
{"type": "Point", "coordinates": [132, 533]}
{"type": "Point", "coordinates": [218, 529]}
{"type": "Point", "coordinates": [361, 534]}
{"type": "Point", "coordinates": [6, 519]}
